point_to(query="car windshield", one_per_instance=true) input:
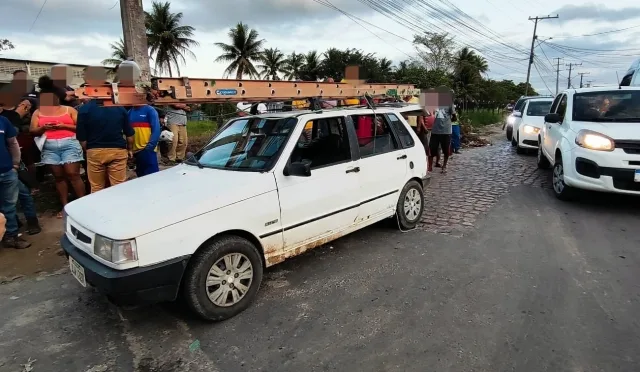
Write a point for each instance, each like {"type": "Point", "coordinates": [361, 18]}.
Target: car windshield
{"type": "Point", "coordinates": [538, 108]}
{"type": "Point", "coordinates": [615, 105]}
{"type": "Point", "coordinates": [252, 144]}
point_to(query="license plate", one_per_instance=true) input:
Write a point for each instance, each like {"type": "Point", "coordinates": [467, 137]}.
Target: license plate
{"type": "Point", "coordinates": [77, 271]}
{"type": "Point", "coordinates": [637, 178]}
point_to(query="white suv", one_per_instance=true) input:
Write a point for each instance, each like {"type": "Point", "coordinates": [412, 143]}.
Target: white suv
{"type": "Point", "coordinates": [264, 189]}
{"type": "Point", "coordinates": [592, 138]}
{"type": "Point", "coordinates": [530, 121]}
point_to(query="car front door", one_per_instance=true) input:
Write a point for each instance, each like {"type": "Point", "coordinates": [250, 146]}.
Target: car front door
{"type": "Point", "coordinates": [383, 165]}
{"type": "Point", "coordinates": [550, 129]}
{"type": "Point", "coordinates": [325, 202]}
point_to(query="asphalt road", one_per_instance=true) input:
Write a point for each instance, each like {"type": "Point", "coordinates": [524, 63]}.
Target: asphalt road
{"type": "Point", "coordinates": [535, 285]}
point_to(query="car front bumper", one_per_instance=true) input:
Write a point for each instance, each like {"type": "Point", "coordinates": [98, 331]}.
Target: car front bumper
{"type": "Point", "coordinates": [137, 286]}
{"type": "Point", "coordinates": [528, 140]}
{"type": "Point", "coordinates": [599, 171]}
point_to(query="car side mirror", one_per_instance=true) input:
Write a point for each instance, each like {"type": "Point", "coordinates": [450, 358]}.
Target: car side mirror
{"type": "Point", "coordinates": [517, 114]}
{"type": "Point", "coordinates": [552, 118]}
{"type": "Point", "coordinates": [298, 169]}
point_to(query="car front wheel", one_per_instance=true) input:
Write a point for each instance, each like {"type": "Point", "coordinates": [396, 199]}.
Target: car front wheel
{"type": "Point", "coordinates": [561, 190]}
{"type": "Point", "coordinates": [223, 278]}
{"type": "Point", "coordinates": [519, 150]}
{"type": "Point", "coordinates": [410, 205]}
{"type": "Point", "coordinates": [509, 132]}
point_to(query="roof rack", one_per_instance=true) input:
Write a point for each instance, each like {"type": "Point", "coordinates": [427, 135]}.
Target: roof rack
{"type": "Point", "coordinates": [166, 91]}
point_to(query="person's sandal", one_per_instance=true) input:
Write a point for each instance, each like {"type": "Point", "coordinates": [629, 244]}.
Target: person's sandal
{"type": "Point", "coordinates": [60, 214]}
{"type": "Point", "coordinates": [444, 170]}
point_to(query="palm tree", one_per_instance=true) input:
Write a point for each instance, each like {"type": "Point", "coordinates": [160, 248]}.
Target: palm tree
{"type": "Point", "coordinates": [273, 63]}
{"type": "Point", "coordinates": [312, 66]}
{"type": "Point", "coordinates": [168, 40]}
{"type": "Point", "coordinates": [293, 66]}
{"type": "Point", "coordinates": [118, 54]}
{"type": "Point", "coordinates": [245, 49]}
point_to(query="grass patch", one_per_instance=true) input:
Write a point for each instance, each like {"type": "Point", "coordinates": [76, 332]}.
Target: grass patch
{"type": "Point", "coordinates": [200, 132]}
{"type": "Point", "coordinates": [480, 118]}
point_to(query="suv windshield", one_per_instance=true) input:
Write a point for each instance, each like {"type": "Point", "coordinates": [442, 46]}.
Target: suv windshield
{"type": "Point", "coordinates": [615, 105]}
{"type": "Point", "coordinates": [252, 144]}
{"type": "Point", "coordinates": [538, 108]}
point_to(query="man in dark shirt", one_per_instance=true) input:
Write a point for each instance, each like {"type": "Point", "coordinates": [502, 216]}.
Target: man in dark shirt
{"type": "Point", "coordinates": [101, 132]}
{"type": "Point", "coordinates": [9, 183]}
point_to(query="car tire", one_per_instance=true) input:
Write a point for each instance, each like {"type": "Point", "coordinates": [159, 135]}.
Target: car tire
{"type": "Point", "coordinates": [519, 150]}
{"type": "Point", "coordinates": [560, 189]}
{"type": "Point", "coordinates": [509, 132]}
{"type": "Point", "coordinates": [410, 205]}
{"type": "Point", "coordinates": [543, 162]}
{"type": "Point", "coordinates": [200, 295]}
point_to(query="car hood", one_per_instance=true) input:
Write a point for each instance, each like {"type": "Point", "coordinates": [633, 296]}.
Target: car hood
{"type": "Point", "coordinates": [627, 131]}
{"type": "Point", "coordinates": [534, 121]}
{"type": "Point", "coordinates": [152, 202]}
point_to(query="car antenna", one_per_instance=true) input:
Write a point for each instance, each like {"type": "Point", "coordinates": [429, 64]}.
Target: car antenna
{"type": "Point", "coordinates": [618, 77]}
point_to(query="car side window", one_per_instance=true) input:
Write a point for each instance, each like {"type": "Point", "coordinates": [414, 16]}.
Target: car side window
{"type": "Point", "coordinates": [401, 131]}
{"type": "Point", "coordinates": [562, 107]}
{"type": "Point", "coordinates": [374, 135]}
{"type": "Point", "coordinates": [554, 105]}
{"type": "Point", "coordinates": [323, 142]}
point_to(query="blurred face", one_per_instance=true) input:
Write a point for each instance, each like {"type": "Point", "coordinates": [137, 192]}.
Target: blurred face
{"type": "Point", "coordinates": [49, 99]}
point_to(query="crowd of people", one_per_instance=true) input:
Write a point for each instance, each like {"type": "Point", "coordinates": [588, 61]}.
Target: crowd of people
{"type": "Point", "coordinates": [49, 126]}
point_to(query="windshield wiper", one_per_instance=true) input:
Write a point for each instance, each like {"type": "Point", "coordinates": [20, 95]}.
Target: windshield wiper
{"type": "Point", "coordinates": [195, 160]}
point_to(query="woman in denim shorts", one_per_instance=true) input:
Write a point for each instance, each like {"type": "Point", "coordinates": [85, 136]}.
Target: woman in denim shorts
{"type": "Point", "coordinates": [61, 150]}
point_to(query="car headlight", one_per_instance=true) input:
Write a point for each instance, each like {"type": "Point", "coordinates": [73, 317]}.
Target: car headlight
{"type": "Point", "coordinates": [528, 129]}
{"type": "Point", "coordinates": [594, 141]}
{"type": "Point", "coordinates": [116, 251]}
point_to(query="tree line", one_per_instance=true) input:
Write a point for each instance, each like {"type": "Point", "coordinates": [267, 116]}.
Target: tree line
{"type": "Point", "coordinates": [437, 62]}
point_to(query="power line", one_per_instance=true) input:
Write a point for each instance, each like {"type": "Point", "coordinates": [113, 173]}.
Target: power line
{"type": "Point", "coordinates": [38, 15]}
{"type": "Point", "coordinates": [544, 82]}
{"type": "Point", "coordinates": [598, 33]}
{"type": "Point", "coordinates": [114, 5]}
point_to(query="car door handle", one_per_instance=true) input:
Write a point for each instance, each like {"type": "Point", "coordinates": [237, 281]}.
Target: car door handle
{"type": "Point", "coordinates": [353, 170]}
{"type": "Point", "coordinates": [402, 157]}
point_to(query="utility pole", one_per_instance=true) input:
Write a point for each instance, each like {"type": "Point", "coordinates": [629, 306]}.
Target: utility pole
{"type": "Point", "coordinates": [533, 40]}
{"type": "Point", "coordinates": [135, 35]}
{"type": "Point", "coordinates": [589, 83]}
{"type": "Point", "coordinates": [571, 65]}
{"type": "Point", "coordinates": [557, 74]}
{"type": "Point", "coordinates": [581, 76]}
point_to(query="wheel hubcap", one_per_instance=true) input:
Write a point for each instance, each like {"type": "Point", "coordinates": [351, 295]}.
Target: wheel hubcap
{"type": "Point", "coordinates": [412, 204]}
{"type": "Point", "coordinates": [229, 279]}
{"type": "Point", "coordinates": [558, 178]}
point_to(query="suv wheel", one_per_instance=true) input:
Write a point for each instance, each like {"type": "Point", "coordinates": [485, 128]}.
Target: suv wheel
{"type": "Point", "coordinates": [410, 205]}
{"type": "Point", "coordinates": [223, 278]}
{"type": "Point", "coordinates": [561, 189]}
{"type": "Point", "coordinates": [543, 162]}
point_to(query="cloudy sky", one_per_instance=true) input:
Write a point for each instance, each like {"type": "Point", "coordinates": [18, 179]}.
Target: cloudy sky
{"type": "Point", "coordinates": [80, 31]}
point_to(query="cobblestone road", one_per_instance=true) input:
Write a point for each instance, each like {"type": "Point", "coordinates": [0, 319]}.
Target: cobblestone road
{"type": "Point", "coordinates": [475, 180]}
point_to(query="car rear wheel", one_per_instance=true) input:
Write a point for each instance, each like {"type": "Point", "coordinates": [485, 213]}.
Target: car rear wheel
{"type": "Point", "coordinates": [223, 278]}
{"type": "Point", "coordinates": [543, 162]}
{"type": "Point", "coordinates": [561, 190]}
{"type": "Point", "coordinates": [410, 205]}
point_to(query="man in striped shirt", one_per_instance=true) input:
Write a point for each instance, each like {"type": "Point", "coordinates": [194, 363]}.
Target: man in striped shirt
{"type": "Point", "coordinates": [146, 126]}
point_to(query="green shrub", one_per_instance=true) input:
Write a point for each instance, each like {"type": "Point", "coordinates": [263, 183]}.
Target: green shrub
{"type": "Point", "coordinates": [481, 118]}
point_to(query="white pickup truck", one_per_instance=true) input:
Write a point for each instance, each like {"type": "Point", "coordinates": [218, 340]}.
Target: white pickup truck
{"type": "Point", "coordinates": [264, 189]}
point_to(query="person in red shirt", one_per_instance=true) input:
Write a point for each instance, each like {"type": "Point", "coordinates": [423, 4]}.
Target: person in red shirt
{"type": "Point", "coordinates": [428, 123]}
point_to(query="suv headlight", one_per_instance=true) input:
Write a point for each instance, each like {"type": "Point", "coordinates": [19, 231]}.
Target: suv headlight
{"type": "Point", "coordinates": [116, 251]}
{"type": "Point", "coordinates": [594, 141]}
{"type": "Point", "coordinates": [529, 129]}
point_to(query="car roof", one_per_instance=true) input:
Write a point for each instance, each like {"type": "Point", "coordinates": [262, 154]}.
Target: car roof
{"type": "Point", "coordinates": [541, 99]}
{"type": "Point", "coordinates": [602, 89]}
{"type": "Point", "coordinates": [398, 107]}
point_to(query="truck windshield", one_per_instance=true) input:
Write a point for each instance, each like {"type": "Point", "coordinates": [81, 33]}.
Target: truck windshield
{"type": "Point", "coordinates": [615, 105]}
{"type": "Point", "coordinates": [538, 108]}
{"type": "Point", "coordinates": [252, 144]}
